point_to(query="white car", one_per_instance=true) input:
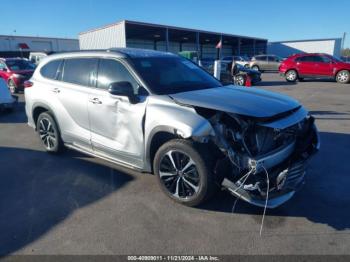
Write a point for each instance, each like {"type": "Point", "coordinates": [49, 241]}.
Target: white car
{"type": "Point", "coordinates": [241, 60]}
{"type": "Point", "coordinates": [7, 101]}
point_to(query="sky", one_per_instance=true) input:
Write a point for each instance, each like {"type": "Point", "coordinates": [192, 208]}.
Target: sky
{"type": "Point", "coordinates": [270, 19]}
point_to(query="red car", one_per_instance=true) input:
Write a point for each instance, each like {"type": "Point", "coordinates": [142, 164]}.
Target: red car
{"type": "Point", "coordinates": [15, 71]}
{"type": "Point", "coordinates": [300, 66]}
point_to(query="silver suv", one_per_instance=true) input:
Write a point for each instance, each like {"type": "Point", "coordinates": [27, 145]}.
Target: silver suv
{"type": "Point", "coordinates": [157, 112]}
{"type": "Point", "coordinates": [265, 63]}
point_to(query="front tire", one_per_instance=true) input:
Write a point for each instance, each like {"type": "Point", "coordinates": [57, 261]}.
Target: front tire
{"type": "Point", "coordinates": [184, 172]}
{"type": "Point", "coordinates": [291, 76]}
{"type": "Point", "coordinates": [12, 86]}
{"type": "Point", "coordinates": [343, 77]}
{"type": "Point", "coordinates": [49, 133]}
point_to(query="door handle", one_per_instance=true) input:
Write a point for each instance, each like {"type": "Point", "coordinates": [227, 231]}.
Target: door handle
{"type": "Point", "coordinates": [95, 101]}
{"type": "Point", "coordinates": [56, 90]}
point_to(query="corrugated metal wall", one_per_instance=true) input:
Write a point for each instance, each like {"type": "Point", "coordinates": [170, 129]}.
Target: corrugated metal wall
{"type": "Point", "coordinates": [285, 49]}
{"type": "Point", "coordinates": [37, 44]}
{"type": "Point", "coordinates": [104, 38]}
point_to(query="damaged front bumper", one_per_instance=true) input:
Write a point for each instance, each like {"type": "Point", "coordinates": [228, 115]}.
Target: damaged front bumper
{"type": "Point", "coordinates": [286, 173]}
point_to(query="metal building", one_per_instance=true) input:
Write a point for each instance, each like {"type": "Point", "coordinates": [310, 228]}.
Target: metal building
{"type": "Point", "coordinates": [169, 38]}
{"type": "Point", "coordinates": [331, 46]}
{"type": "Point", "coordinates": [11, 45]}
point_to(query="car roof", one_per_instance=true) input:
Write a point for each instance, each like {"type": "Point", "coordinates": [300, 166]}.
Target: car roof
{"type": "Point", "coordinates": [119, 52]}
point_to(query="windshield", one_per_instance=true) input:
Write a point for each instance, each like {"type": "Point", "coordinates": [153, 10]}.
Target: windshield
{"type": "Point", "coordinates": [16, 65]}
{"type": "Point", "coordinates": [170, 75]}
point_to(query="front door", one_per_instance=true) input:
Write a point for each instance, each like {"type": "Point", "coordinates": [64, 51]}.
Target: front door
{"type": "Point", "coordinates": [115, 123]}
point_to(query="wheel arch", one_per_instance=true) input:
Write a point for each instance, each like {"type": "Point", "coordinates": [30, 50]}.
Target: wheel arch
{"type": "Point", "coordinates": [39, 108]}
{"type": "Point", "coordinates": [157, 137]}
{"type": "Point", "coordinates": [341, 69]}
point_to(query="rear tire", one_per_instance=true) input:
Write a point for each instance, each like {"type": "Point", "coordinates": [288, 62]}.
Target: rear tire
{"type": "Point", "coordinates": [184, 171]}
{"type": "Point", "coordinates": [291, 75]}
{"type": "Point", "coordinates": [49, 133]}
{"type": "Point", "coordinates": [343, 77]}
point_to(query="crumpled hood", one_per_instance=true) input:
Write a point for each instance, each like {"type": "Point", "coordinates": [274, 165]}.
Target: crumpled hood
{"type": "Point", "coordinates": [251, 102]}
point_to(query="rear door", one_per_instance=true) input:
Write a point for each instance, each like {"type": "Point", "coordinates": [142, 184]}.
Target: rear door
{"type": "Point", "coordinates": [115, 123]}
{"type": "Point", "coordinates": [273, 63]}
{"type": "Point", "coordinates": [77, 78]}
{"type": "Point", "coordinates": [325, 66]}
{"type": "Point", "coordinates": [262, 62]}
{"type": "Point", "coordinates": [306, 65]}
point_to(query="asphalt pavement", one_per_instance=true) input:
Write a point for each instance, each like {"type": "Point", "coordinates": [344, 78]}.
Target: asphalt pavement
{"type": "Point", "coordinates": [76, 204]}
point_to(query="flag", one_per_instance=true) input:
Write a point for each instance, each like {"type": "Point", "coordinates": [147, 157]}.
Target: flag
{"type": "Point", "coordinates": [219, 45]}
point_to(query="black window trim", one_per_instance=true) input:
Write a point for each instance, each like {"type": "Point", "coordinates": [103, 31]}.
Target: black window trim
{"type": "Point", "coordinates": [57, 70]}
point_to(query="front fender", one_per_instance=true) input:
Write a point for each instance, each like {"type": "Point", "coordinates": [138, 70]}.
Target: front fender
{"type": "Point", "coordinates": [164, 115]}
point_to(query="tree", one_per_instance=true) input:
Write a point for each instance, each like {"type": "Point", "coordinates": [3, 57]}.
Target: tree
{"type": "Point", "coordinates": [345, 52]}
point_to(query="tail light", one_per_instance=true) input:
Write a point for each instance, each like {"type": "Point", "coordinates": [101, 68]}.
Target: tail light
{"type": "Point", "coordinates": [28, 84]}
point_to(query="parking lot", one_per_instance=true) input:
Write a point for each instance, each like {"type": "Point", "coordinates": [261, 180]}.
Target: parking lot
{"type": "Point", "coordinates": [75, 204]}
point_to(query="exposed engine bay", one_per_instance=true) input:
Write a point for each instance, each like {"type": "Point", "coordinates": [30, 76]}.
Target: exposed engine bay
{"type": "Point", "coordinates": [260, 155]}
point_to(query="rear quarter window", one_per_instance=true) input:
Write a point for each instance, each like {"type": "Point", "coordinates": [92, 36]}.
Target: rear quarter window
{"type": "Point", "coordinates": [50, 69]}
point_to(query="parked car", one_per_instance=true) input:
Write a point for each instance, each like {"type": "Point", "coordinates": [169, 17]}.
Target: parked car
{"type": "Point", "coordinates": [7, 101]}
{"type": "Point", "coordinates": [158, 112]}
{"type": "Point", "coordinates": [241, 60]}
{"type": "Point", "coordinates": [238, 74]}
{"type": "Point", "coordinates": [265, 63]}
{"type": "Point", "coordinates": [36, 57]}
{"type": "Point", "coordinates": [15, 71]}
{"type": "Point", "coordinates": [302, 66]}
{"type": "Point", "coordinates": [208, 64]}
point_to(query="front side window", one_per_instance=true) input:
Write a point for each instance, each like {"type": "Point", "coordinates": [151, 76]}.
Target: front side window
{"type": "Point", "coordinates": [50, 69]}
{"type": "Point", "coordinates": [111, 71]}
{"type": "Point", "coordinates": [173, 74]}
{"type": "Point", "coordinates": [80, 71]}
{"type": "Point", "coordinates": [17, 65]}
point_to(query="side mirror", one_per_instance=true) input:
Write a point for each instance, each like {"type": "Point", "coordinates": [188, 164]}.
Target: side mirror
{"type": "Point", "coordinates": [123, 88]}
{"type": "Point", "coordinates": [4, 69]}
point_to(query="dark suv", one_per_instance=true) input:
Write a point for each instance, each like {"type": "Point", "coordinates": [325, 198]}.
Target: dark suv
{"type": "Point", "coordinates": [15, 71]}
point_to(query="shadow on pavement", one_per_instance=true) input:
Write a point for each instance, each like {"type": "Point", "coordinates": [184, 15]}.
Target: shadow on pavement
{"type": "Point", "coordinates": [275, 83]}
{"type": "Point", "coordinates": [38, 191]}
{"type": "Point", "coordinates": [17, 115]}
{"type": "Point", "coordinates": [324, 198]}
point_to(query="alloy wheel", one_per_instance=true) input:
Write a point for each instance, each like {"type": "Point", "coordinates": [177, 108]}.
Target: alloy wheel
{"type": "Point", "coordinates": [12, 87]}
{"type": "Point", "coordinates": [47, 133]}
{"type": "Point", "coordinates": [179, 175]}
{"type": "Point", "coordinates": [343, 77]}
{"type": "Point", "coordinates": [291, 75]}
{"type": "Point", "coordinates": [240, 80]}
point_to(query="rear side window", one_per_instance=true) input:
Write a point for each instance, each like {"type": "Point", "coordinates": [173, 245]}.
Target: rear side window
{"type": "Point", "coordinates": [260, 58]}
{"type": "Point", "coordinates": [50, 69]}
{"type": "Point", "coordinates": [272, 58]}
{"type": "Point", "coordinates": [305, 59]}
{"type": "Point", "coordinates": [80, 71]}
